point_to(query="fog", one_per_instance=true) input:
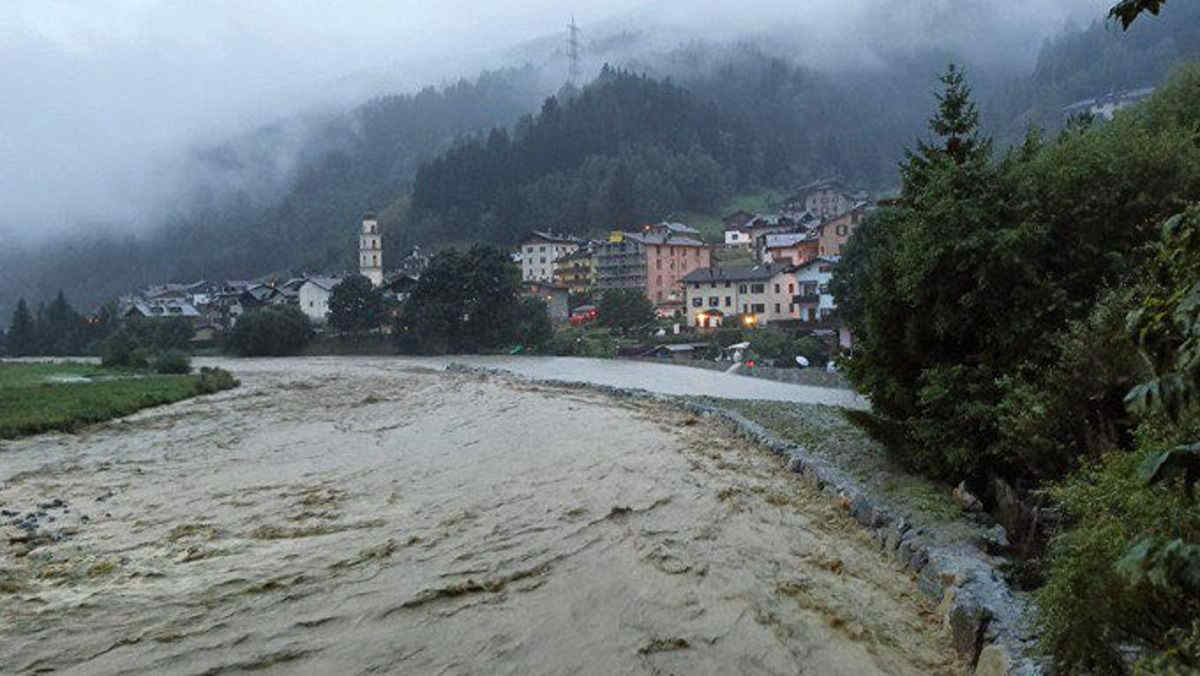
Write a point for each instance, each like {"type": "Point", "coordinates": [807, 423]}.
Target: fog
{"type": "Point", "coordinates": [102, 99]}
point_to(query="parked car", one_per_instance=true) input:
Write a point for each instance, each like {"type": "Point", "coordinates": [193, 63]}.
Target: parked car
{"type": "Point", "coordinates": [582, 315]}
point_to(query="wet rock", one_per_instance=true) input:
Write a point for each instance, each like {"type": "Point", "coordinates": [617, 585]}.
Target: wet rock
{"type": "Point", "coordinates": [895, 536]}
{"type": "Point", "coordinates": [1008, 511]}
{"type": "Point", "coordinates": [966, 499]}
{"type": "Point", "coordinates": [8, 512]}
{"type": "Point", "coordinates": [967, 621]}
{"type": "Point", "coordinates": [796, 464]}
{"type": "Point", "coordinates": [53, 504]}
{"type": "Point", "coordinates": [994, 541]}
{"type": "Point", "coordinates": [993, 661]}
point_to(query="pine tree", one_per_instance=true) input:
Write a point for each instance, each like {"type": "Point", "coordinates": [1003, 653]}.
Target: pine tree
{"type": "Point", "coordinates": [21, 332]}
{"type": "Point", "coordinates": [957, 123]}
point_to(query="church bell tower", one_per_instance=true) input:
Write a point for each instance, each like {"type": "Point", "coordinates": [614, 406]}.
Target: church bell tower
{"type": "Point", "coordinates": [370, 253]}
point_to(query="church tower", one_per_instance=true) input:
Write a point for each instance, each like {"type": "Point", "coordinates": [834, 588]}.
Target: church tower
{"type": "Point", "coordinates": [370, 253]}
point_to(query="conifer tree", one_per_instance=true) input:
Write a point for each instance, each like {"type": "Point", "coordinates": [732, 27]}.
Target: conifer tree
{"type": "Point", "coordinates": [21, 332]}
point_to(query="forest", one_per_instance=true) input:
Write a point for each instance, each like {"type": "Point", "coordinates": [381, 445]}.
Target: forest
{"type": "Point", "coordinates": [754, 119]}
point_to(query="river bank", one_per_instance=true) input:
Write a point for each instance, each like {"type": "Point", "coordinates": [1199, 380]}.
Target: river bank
{"type": "Point", "coordinates": [346, 516]}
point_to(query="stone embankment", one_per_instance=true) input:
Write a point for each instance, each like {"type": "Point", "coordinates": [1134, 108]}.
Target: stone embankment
{"type": "Point", "coordinates": [988, 621]}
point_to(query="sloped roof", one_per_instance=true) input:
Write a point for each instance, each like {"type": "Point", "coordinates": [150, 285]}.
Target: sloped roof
{"type": "Point", "coordinates": [786, 239]}
{"type": "Point", "coordinates": [326, 283]}
{"type": "Point", "coordinates": [551, 238]}
{"type": "Point", "coordinates": [738, 274]}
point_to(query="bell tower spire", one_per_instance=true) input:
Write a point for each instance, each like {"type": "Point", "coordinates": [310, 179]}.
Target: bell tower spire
{"type": "Point", "coordinates": [370, 252]}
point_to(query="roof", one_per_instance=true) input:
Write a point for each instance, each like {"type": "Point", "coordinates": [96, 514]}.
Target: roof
{"type": "Point", "coordinates": [739, 274]}
{"type": "Point", "coordinates": [675, 227]}
{"type": "Point", "coordinates": [664, 238]}
{"type": "Point", "coordinates": [826, 260]}
{"type": "Point", "coordinates": [552, 238]}
{"type": "Point", "coordinates": [326, 283]}
{"type": "Point", "coordinates": [164, 309]}
{"type": "Point", "coordinates": [786, 239]}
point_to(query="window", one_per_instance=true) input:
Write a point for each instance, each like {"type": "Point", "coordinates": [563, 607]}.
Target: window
{"type": "Point", "coordinates": [777, 308]}
{"type": "Point", "coordinates": [658, 264]}
{"type": "Point", "coordinates": [741, 288]}
{"type": "Point", "coordinates": [714, 301]}
{"type": "Point", "coordinates": [777, 291]}
{"type": "Point", "coordinates": [697, 301]}
{"type": "Point", "coordinates": [728, 284]}
{"type": "Point", "coordinates": [841, 230]}
{"type": "Point", "coordinates": [745, 308]}
{"type": "Point", "coordinates": [714, 285]}
{"type": "Point", "coordinates": [672, 251]}
{"type": "Point", "coordinates": [728, 301]}
{"type": "Point", "coordinates": [542, 249]}
{"type": "Point", "coordinates": [791, 289]}
{"type": "Point", "coordinates": [758, 307]}
{"type": "Point", "coordinates": [658, 280]}
{"type": "Point", "coordinates": [658, 296]}
{"type": "Point", "coordinates": [696, 285]}
{"type": "Point", "coordinates": [791, 308]}
{"type": "Point", "coordinates": [757, 288]}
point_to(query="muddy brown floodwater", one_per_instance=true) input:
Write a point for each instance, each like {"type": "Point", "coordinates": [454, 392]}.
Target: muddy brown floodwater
{"type": "Point", "coordinates": [339, 517]}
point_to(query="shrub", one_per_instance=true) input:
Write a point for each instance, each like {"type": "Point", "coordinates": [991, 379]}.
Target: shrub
{"type": "Point", "coordinates": [583, 342]}
{"type": "Point", "coordinates": [1089, 610]}
{"type": "Point", "coordinates": [533, 327]}
{"type": "Point", "coordinates": [173, 361]}
{"type": "Point", "coordinates": [271, 331]}
{"type": "Point", "coordinates": [215, 380]}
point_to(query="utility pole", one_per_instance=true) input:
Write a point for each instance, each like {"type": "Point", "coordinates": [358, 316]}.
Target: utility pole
{"type": "Point", "coordinates": [573, 51]}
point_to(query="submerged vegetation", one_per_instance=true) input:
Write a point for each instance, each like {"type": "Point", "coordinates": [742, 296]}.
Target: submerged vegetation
{"type": "Point", "coordinates": [38, 398]}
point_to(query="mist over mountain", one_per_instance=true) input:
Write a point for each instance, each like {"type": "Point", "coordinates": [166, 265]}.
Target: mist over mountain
{"type": "Point", "coordinates": [99, 200]}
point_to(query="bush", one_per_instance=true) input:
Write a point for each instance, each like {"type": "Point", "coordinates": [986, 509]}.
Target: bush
{"type": "Point", "coordinates": [271, 331]}
{"type": "Point", "coordinates": [583, 342]}
{"type": "Point", "coordinates": [215, 380]}
{"type": "Point", "coordinates": [173, 361]}
{"type": "Point", "coordinates": [1089, 610]}
{"type": "Point", "coordinates": [533, 327]}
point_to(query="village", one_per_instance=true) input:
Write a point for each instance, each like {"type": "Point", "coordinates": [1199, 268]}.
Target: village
{"type": "Point", "coordinates": [770, 270]}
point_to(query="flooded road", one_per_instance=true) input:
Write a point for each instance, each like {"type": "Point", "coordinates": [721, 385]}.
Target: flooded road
{"type": "Point", "coordinates": [357, 515]}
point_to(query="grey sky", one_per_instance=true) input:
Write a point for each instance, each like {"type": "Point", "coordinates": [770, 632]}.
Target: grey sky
{"type": "Point", "coordinates": [98, 96]}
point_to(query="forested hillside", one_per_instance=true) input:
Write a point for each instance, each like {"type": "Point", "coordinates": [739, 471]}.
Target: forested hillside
{"type": "Point", "coordinates": [708, 121]}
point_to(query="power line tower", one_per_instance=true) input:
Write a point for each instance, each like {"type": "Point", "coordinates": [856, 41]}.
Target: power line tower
{"type": "Point", "coordinates": [573, 51]}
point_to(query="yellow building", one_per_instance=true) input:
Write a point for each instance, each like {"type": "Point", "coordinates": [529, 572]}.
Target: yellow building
{"type": "Point", "coordinates": [576, 271]}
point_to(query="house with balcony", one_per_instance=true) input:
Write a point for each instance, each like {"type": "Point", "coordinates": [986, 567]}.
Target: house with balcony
{"type": "Point", "coordinates": [539, 250]}
{"type": "Point", "coordinates": [577, 270]}
{"type": "Point", "coordinates": [654, 263]}
{"type": "Point", "coordinates": [758, 295]}
{"type": "Point", "coordinates": [813, 299]}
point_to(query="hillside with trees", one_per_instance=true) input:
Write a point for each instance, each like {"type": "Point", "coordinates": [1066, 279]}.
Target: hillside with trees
{"type": "Point", "coordinates": [736, 118]}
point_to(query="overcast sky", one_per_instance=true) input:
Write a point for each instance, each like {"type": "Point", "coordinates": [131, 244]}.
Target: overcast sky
{"type": "Point", "coordinates": [97, 96]}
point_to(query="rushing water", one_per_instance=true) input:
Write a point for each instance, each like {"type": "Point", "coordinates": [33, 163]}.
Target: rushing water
{"type": "Point", "coordinates": [354, 516]}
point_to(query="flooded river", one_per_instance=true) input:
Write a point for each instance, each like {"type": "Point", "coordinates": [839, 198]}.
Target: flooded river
{"type": "Point", "coordinates": [357, 515]}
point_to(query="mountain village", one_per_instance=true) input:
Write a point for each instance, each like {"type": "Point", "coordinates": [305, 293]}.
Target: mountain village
{"type": "Point", "coordinates": [771, 269]}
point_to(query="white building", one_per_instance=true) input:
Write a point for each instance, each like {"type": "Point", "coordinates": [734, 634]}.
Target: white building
{"type": "Point", "coordinates": [813, 298]}
{"type": "Point", "coordinates": [314, 297]}
{"type": "Point", "coordinates": [736, 237]}
{"type": "Point", "coordinates": [370, 252]}
{"type": "Point", "coordinates": [539, 251]}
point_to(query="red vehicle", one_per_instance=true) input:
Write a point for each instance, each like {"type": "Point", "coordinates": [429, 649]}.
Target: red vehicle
{"type": "Point", "coordinates": [582, 315]}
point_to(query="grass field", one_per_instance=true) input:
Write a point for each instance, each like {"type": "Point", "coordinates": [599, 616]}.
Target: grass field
{"type": "Point", "coordinates": [42, 397]}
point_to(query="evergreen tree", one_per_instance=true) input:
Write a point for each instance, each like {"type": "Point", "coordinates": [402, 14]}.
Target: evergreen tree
{"type": "Point", "coordinates": [22, 334]}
